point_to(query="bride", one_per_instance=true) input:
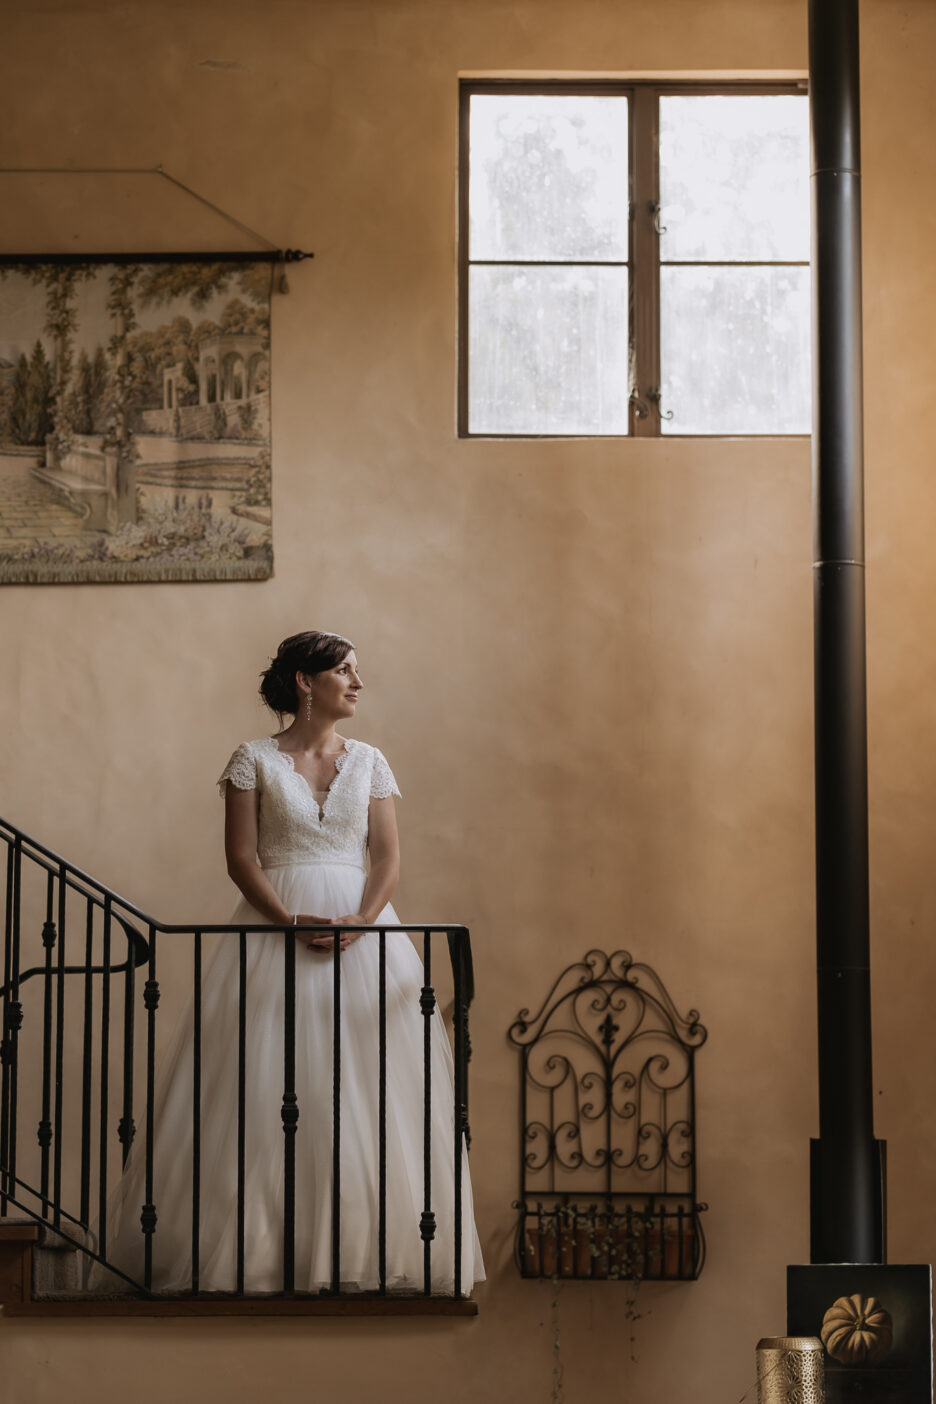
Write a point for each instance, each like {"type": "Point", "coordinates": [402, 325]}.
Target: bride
{"type": "Point", "coordinates": [310, 840]}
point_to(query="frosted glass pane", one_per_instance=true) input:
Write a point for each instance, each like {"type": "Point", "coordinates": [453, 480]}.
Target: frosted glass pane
{"type": "Point", "coordinates": [734, 178]}
{"type": "Point", "coordinates": [548, 351]}
{"type": "Point", "coordinates": [735, 350]}
{"type": "Point", "coordinates": [548, 177]}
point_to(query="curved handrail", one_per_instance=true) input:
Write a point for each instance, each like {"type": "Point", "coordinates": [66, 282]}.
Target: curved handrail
{"type": "Point", "coordinates": [11, 833]}
{"type": "Point", "coordinates": [139, 947]}
{"type": "Point", "coordinates": [89, 888]}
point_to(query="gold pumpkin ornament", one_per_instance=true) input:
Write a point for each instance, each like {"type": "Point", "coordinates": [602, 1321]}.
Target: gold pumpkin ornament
{"type": "Point", "coordinates": [857, 1330]}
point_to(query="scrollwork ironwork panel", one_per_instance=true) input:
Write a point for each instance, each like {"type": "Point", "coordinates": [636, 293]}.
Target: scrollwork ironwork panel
{"type": "Point", "coordinates": [608, 1164]}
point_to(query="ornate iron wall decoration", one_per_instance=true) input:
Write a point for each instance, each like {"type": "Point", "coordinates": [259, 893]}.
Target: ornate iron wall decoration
{"type": "Point", "coordinates": [608, 1179]}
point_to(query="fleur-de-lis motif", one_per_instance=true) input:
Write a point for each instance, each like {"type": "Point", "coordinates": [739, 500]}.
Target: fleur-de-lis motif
{"type": "Point", "coordinates": [608, 1028]}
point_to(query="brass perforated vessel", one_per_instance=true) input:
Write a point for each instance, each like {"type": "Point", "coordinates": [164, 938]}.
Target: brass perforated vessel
{"type": "Point", "coordinates": [790, 1370]}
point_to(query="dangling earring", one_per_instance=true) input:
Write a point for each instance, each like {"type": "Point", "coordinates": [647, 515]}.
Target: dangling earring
{"type": "Point", "coordinates": [308, 706]}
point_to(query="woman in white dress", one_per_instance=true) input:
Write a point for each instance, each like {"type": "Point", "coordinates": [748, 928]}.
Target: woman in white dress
{"type": "Point", "coordinates": [304, 812]}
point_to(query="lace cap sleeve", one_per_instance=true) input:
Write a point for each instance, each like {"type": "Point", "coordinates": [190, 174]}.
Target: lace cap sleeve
{"type": "Point", "coordinates": [382, 783]}
{"type": "Point", "coordinates": [241, 770]}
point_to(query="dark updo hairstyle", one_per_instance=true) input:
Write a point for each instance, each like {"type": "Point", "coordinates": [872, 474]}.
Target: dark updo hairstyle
{"type": "Point", "coordinates": [312, 652]}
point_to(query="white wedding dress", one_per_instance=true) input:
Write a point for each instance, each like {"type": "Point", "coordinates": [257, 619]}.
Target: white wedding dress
{"type": "Point", "coordinates": [315, 859]}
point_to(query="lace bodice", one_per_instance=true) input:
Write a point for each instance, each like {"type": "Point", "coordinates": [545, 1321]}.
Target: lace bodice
{"type": "Point", "coordinates": [293, 828]}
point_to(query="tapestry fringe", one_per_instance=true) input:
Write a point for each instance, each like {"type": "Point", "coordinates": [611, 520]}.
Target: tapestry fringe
{"type": "Point", "coordinates": [130, 572]}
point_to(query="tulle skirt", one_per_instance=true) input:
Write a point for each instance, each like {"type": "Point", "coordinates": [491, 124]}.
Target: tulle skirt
{"type": "Point", "coordinates": [328, 889]}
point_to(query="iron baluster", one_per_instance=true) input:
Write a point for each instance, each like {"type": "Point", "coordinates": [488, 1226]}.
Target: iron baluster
{"type": "Point", "coordinates": [465, 1103]}
{"type": "Point", "coordinates": [382, 1116]}
{"type": "Point", "coordinates": [459, 1109]}
{"type": "Point", "coordinates": [59, 1054]}
{"type": "Point", "coordinates": [460, 952]}
{"type": "Point", "coordinates": [196, 1105]}
{"type": "Point", "coordinates": [241, 1100]}
{"type": "Point", "coordinates": [6, 1040]}
{"type": "Point", "coordinates": [88, 1015]}
{"type": "Point", "coordinates": [427, 1218]}
{"type": "Point", "coordinates": [105, 1049]}
{"type": "Point", "coordinates": [148, 1215]}
{"type": "Point", "coordinates": [126, 1130]}
{"type": "Point", "coordinates": [44, 1134]}
{"type": "Point", "coordinates": [290, 1112]}
{"type": "Point", "coordinates": [336, 1113]}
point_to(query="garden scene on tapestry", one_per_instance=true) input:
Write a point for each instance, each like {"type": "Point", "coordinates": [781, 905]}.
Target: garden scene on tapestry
{"type": "Point", "coordinates": [135, 422]}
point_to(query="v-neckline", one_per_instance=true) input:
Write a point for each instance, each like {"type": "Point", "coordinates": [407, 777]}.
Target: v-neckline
{"type": "Point", "coordinates": [339, 767]}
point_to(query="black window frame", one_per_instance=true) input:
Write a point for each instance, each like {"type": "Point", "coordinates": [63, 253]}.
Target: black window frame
{"type": "Point", "coordinates": [645, 413]}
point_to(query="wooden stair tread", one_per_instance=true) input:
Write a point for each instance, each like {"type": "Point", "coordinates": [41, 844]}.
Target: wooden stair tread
{"type": "Point", "coordinates": [15, 1228]}
{"type": "Point", "coordinates": [19, 1232]}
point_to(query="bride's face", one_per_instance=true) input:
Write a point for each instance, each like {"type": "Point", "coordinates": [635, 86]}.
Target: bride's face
{"type": "Point", "coordinates": [335, 692]}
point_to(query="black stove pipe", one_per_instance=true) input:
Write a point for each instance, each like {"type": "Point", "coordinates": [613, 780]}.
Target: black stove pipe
{"type": "Point", "coordinates": [847, 1217]}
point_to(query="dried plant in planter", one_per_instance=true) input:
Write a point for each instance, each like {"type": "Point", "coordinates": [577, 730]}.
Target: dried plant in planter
{"type": "Point", "coordinates": [609, 1243]}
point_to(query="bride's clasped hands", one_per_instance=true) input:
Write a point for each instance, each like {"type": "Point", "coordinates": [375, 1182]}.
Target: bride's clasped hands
{"type": "Point", "coordinates": [325, 942]}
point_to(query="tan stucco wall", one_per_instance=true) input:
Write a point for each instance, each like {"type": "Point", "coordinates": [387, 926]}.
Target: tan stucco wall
{"type": "Point", "coordinates": [589, 662]}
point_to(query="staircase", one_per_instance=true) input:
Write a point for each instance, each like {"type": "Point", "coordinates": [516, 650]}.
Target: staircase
{"type": "Point", "coordinates": [78, 1064]}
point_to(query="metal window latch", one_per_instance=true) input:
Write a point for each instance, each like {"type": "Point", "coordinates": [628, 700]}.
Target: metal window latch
{"type": "Point", "coordinates": [658, 228]}
{"type": "Point", "coordinates": [641, 408]}
{"type": "Point", "coordinates": [655, 395]}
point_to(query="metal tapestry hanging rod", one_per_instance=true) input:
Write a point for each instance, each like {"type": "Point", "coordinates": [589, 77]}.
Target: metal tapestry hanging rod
{"type": "Point", "coordinates": [271, 254]}
{"type": "Point", "coordinates": [259, 256]}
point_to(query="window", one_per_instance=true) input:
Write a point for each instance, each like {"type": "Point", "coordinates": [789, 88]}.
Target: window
{"type": "Point", "coordinates": [634, 259]}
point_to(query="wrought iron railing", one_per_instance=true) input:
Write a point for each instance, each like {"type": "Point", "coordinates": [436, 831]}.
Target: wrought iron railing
{"type": "Point", "coordinates": [75, 956]}
{"type": "Point", "coordinates": [607, 1115]}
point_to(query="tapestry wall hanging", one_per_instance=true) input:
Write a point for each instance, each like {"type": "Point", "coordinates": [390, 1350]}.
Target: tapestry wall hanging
{"type": "Point", "coordinates": [135, 422]}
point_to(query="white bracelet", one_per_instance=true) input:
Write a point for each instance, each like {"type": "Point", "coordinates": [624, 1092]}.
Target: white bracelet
{"type": "Point", "coordinates": [296, 919]}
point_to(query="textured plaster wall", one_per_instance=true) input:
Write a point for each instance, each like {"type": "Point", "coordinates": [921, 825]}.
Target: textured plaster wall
{"type": "Point", "coordinates": [589, 662]}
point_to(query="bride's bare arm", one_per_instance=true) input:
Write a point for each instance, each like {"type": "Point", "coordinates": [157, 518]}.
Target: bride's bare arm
{"type": "Point", "coordinates": [383, 845]}
{"type": "Point", "coordinates": [241, 809]}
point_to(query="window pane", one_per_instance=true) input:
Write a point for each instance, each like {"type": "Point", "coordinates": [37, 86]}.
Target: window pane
{"type": "Point", "coordinates": [735, 353]}
{"type": "Point", "coordinates": [548, 351]}
{"type": "Point", "coordinates": [548, 177]}
{"type": "Point", "coordinates": [734, 178]}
